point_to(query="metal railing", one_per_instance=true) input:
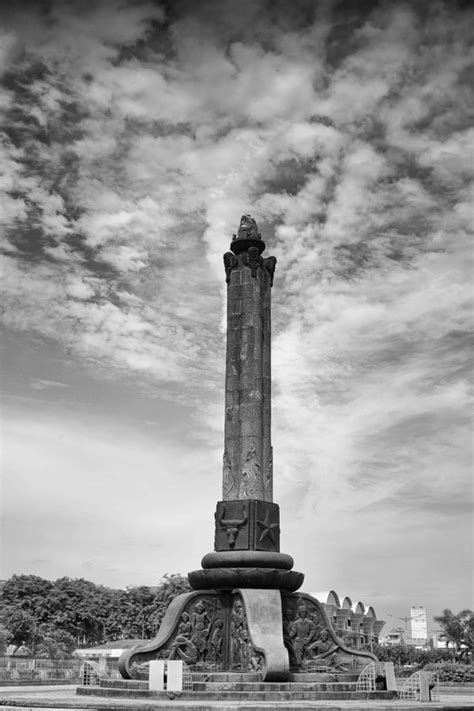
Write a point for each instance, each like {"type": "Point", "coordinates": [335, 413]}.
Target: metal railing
{"type": "Point", "coordinates": [26, 669]}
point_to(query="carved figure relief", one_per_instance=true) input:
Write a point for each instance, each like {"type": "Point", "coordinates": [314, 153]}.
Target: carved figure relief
{"type": "Point", "coordinates": [251, 485]}
{"type": "Point", "coordinates": [182, 646]}
{"type": "Point", "coordinates": [269, 265]}
{"type": "Point", "coordinates": [251, 258]}
{"type": "Point", "coordinates": [244, 657]}
{"type": "Point", "coordinates": [324, 650]}
{"type": "Point", "coordinates": [217, 643]}
{"type": "Point", "coordinates": [254, 260]}
{"type": "Point", "coordinates": [301, 634]}
{"type": "Point", "coordinates": [232, 526]}
{"type": "Point", "coordinates": [250, 659]}
{"type": "Point", "coordinates": [228, 481]}
{"type": "Point", "coordinates": [230, 262]}
{"type": "Point", "coordinates": [237, 624]}
{"type": "Point", "coordinates": [200, 628]}
{"type": "Point", "coordinates": [309, 644]}
{"type": "Point", "coordinates": [199, 637]}
{"type": "Point", "coordinates": [269, 476]}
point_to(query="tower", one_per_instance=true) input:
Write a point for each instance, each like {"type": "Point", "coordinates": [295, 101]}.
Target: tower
{"type": "Point", "coordinates": [418, 625]}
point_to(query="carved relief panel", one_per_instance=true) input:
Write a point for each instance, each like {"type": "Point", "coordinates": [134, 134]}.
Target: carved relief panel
{"type": "Point", "coordinates": [251, 485]}
{"type": "Point", "coordinates": [232, 525]}
{"type": "Point", "coordinates": [229, 487]}
{"type": "Point", "coordinates": [247, 525]}
{"type": "Point", "coordinates": [198, 638]}
{"type": "Point", "coordinates": [311, 641]}
{"type": "Point", "coordinates": [243, 655]}
{"type": "Point", "coordinates": [267, 526]}
{"type": "Point", "coordinates": [211, 634]}
{"type": "Point", "coordinates": [311, 647]}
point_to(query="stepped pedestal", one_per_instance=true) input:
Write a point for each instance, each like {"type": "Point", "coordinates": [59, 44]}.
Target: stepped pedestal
{"type": "Point", "coordinates": [242, 687]}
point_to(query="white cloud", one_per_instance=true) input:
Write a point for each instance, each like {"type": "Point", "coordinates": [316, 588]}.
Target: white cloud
{"type": "Point", "coordinates": [348, 137]}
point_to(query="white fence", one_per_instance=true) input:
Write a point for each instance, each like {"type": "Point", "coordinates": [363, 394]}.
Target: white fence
{"type": "Point", "coordinates": [24, 669]}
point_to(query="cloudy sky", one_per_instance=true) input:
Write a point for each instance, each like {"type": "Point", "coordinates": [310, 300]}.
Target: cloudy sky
{"type": "Point", "coordinates": [135, 134]}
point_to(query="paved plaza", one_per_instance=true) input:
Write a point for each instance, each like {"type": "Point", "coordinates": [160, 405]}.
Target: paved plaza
{"type": "Point", "coordinates": [64, 697]}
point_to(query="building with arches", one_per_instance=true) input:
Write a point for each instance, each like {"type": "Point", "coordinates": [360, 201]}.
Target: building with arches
{"type": "Point", "coordinates": [352, 621]}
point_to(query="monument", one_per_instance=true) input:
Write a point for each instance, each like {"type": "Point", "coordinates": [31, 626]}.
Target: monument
{"type": "Point", "coordinates": [244, 615]}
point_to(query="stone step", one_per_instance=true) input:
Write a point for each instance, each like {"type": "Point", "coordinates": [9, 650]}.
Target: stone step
{"type": "Point", "coordinates": [237, 695]}
{"type": "Point", "coordinates": [273, 686]}
{"type": "Point", "coordinates": [323, 676]}
{"type": "Point", "coordinates": [230, 678]}
{"type": "Point", "coordinates": [124, 684]}
{"type": "Point", "coordinates": [240, 685]}
{"type": "Point", "coordinates": [230, 681]}
{"type": "Point", "coordinates": [226, 676]}
{"type": "Point", "coordinates": [293, 676]}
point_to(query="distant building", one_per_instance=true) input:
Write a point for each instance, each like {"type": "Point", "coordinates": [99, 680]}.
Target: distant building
{"type": "Point", "coordinates": [110, 650]}
{"type": "Point", "coordinates": [14, 650]}
{"type": "Point", "coordinates": [355, 624]}
{"type": "Point", "coordinates": [393, 638]}
{"type": "Point", "coordinates": [418, 625]}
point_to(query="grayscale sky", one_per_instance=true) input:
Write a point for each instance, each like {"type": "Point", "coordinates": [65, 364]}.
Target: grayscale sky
{"type": "Point", "coordinates": [135, 136]}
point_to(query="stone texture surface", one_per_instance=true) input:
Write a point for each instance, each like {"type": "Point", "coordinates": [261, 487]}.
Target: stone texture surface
{"type": "Point", "coordinates": [209, 631]}
{"type": "Point", "coordinates": [247, 559]}
{"type": "Point", "coordinates": [231, 693]}
{"type": "Point", "coordinates": [246, 577]}
{"type": "Point", "coordinates": [263, 607]}
{"type": "Point", "coordinates": [247, 460]}
{"type": "Point", "coordinates": [249, 524]}
{"type": "Point", "coordinates": [247, 630]}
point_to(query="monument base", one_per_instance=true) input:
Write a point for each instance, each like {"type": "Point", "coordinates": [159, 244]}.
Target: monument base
{"type": "Point", "coordinates": [246, 630]}
{"type": "Point", "coordinates": [260, 578]}
{"type": "Point", "coordinates": [223, 691]}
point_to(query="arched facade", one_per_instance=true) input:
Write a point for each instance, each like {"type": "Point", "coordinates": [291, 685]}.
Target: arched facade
{"type": "Point", "coordinates": [355, 623]}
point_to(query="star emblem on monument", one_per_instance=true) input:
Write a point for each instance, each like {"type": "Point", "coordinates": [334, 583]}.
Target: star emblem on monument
{"type": "Point", "coordinates": [267, 528]}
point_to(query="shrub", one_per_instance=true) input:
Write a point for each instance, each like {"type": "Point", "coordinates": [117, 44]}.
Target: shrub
{"type": "Point", "coordinates": [405, 672]}
{"type": "Point", "coordinates": [452, 671]}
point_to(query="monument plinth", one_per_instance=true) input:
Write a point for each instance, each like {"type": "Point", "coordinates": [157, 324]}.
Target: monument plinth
{"type": "Point", "coordinates": [244, 615]}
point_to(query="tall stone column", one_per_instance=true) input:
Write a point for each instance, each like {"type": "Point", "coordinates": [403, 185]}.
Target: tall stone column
{"type": "Point", "coordinates": [247, 461]}
{"type": "Point", "coordinates": [247, 532]}
{"type": "Point", "coordinates": [243, 615]}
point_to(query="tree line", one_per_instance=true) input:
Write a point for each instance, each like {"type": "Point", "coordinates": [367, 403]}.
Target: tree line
{"type": "Point", "coordinates": [458, 630]}
{"type": "Point", "coordinates": [52, 618]}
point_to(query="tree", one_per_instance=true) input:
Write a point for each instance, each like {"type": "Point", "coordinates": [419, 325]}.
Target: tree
{"type": "Point", "coordinates": [458, 629]}
{"type": "Point", "coordinates": [4, 640]}
{"type": "Point", "coordinates": [80, 608]}
{"type": "Point", "coordinates": [25, 591]}
{"type": "Point", "coordinates": [54, 643]}
{"type": "Point", "coordinates": [21, 626]}
{"type": "Point", "coordinates": [170, 587]}
{"type": "Point", "coordinates": [143, 608]}
{"type": "Point", "coordinates": [138, 609]}
{"type": "Point", "coordinates": [27, 594]}
{"type": "Point", "coordinates": [53, 618]}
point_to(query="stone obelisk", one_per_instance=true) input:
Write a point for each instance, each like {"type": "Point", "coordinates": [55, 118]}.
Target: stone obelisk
{"type": "Point", "coordinates": [247, 533]}
{"type": "Point", "coordinates": [243, 614]}
{"type": "Point", "coordinates": [247, 465]}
